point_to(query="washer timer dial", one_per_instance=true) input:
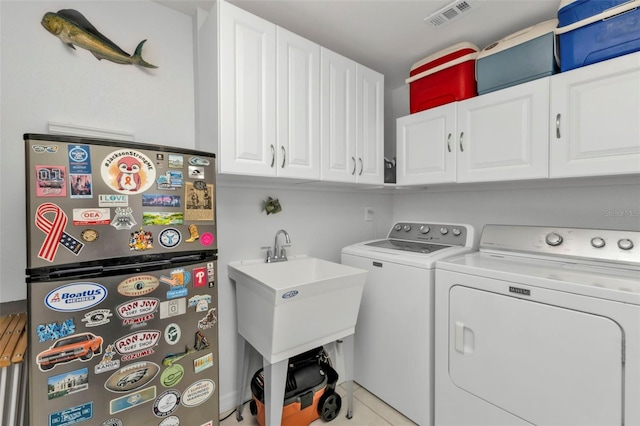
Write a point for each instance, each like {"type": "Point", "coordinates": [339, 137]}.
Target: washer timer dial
{"type": "Point", "coordinates": [553, 239]}
{"type": "Point", "coordinates": [597, 242]}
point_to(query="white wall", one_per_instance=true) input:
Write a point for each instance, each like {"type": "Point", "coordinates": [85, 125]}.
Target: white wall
{"type": "Point", "coordinates": [43, 80]}
{"type": "Point", "coordinates": [604, 203]}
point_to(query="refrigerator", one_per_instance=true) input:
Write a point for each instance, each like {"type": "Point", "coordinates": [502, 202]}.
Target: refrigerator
{"type": "Point", "coordinates": [121, 283]}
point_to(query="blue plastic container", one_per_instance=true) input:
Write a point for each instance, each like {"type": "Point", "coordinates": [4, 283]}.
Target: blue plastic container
{"type": "Point", "coordinates": [591, 31]}
{"type": "Point", "coordinates": [526, 55]}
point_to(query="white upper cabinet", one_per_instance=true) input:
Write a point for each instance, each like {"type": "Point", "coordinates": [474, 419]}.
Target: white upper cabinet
{"type": "Point", "coordinates": [298, 106]}
{"type": "Point", "coordinates": [503, 135]}
{"type": "Point", "coordinates": [595, 116]}
{"type": "Point", "coordinates": [247, 93]}
{"type": "Point", "coordinates": [494, 137]}
{"type": "Point", "coordinates": [426, 146]}
{"type": "Point", "coordinates": [352, 121]}
{"type": "Point", "coordinates": [369, 126]}
{"type": "Point", "coordinates": [338, 117]}
{"type": "Point", "coordinates": [287, 107]}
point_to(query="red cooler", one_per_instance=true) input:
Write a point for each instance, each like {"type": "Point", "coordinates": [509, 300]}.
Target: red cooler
{"type": "Point", "coordinates": [444, 77]}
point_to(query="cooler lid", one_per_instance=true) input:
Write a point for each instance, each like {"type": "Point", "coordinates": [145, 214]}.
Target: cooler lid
{"type": "Point", "coordinates": [461, 47]}
{"type": "Point", "coordinates": [565, 3]}
{"type": "Point", "coordinates": [519, 37]}
{"type": "Point", "coordinates": [604, 15]}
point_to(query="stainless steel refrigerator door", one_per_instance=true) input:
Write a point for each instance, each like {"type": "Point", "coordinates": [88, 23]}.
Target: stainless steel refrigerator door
{"type": "Point", "coordinates": [91, 201]}
{"type": "Point", "coordinates": [131, 349]}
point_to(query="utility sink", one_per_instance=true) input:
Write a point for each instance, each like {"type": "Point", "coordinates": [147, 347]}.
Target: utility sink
{"type": "Point", "coordinates": [286, 308]}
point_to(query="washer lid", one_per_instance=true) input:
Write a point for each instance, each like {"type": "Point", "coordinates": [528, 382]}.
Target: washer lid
{"type": "Point", "coordinates": [412, 246]}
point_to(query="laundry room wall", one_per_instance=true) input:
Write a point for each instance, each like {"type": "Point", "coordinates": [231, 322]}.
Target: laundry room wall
{"type": "Point", "coordinates": [604, 203]}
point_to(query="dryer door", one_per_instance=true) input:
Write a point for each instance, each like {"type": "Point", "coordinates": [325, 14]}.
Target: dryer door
{"type": "Point", "coordinates": [542, 363]}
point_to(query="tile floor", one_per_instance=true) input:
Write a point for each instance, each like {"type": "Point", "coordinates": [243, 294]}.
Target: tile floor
{"type": "Point", "coordinates": [367, 411]}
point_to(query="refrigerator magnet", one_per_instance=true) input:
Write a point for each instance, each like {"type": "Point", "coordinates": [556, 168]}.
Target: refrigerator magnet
{"type": "Point", "coordinates": [128, 171]}
{"type": "Point", "coordinates": [51, 181]}
{"type": "Point", "coordinates": [167, 403]}
{"type": "Point", "coordinates": [172, 375]}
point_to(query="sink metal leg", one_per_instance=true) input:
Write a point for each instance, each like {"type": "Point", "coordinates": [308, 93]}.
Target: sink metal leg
{"type": "Point", "coordinates": [244, 348]}
{"type": "Point", "coordinates": [347, 354]}
{"type": "Point", "coordinates": [275, 376]}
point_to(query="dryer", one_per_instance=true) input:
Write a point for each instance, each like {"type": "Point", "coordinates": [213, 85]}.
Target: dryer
{"type": "Point", "coordinates": [393, 340]}
{"type": "Point", "coordinates": [541, 326]}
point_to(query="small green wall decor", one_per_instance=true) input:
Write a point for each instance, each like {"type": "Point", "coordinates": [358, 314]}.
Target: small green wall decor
{"type": "Point", "coordinates": [271, 205]}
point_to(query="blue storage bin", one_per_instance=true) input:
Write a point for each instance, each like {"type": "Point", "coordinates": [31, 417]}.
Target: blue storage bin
{"type": "Point", "coordinates": [526, 55]}
{"type": "Point", "coordinates": [591, 31]}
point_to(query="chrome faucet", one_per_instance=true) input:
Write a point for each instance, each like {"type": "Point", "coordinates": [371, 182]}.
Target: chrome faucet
{"type": "Point", "coordinates": [279, 253]}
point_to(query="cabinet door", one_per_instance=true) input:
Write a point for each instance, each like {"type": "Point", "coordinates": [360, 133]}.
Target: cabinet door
{"type": "Point", "coordinates": [595, 113]}
{"type": "Point", "coordinates": [426, 151]}
{"type": "Point", "coordinates": [298, 106]}
{"type": "Point", "coordinates": [369, 126]}
{"type": "Point", "coordinates": [504, 135]}
{"type": "Point", "coordinates": [247, 82]}
{"type": "Point", "coordinates": [337, 117]}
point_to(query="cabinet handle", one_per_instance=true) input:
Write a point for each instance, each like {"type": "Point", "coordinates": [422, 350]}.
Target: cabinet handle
{"type": "Point", "coordinates": [361, 166]}
{"type": "Point", "coordinates": [354, 165]}
{"type": "Point", "coordinates": [273, 155]}
{"type": "Point", "coordinates": [284, 156]}
{"type": "Point", "coordinates": [558, 126]}
{"type": "Point", "coordinates": [449, 142]}
{"type": "Point", "coordinates": [461, 147]}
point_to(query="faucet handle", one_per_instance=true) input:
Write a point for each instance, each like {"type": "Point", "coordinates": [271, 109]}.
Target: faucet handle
{"type": "Point", "coordinates": [283, 252]}
{"type": "Point", "coordinates": [269, 255]}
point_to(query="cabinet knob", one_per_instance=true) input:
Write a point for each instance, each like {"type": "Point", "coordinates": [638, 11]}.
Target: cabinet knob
{"type": "Point", "coordinates": [558, 126]}
{"type": "Point", "coordinates": [449, 142]}
{"type": "Point", "coordinates": [284, 156]}
{"type": "Point", "coordinates": [361, 166]}
{"type": "Point", "coordinates": [354, 165]}
{"type": "Point", "coordinates": [461, 147]}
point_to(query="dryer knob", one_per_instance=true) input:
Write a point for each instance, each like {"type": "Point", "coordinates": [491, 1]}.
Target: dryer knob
{"type": "Point", "coordinates": [597, 242]}
{"type": "Point", "coordinates": [444, 231]}
{"type": "Point", "coordinates": [553, 239]}
{"type": "Point", "coordinates": [398, 227]}
{"type": "Point", "coordinates": [625, 244]}
{"type": "Point", "coordinates": [407, 228]}
{"type": "Point", "coordinates": [424, 229]}
{"type": "Point", "coordinates": [456, 232]}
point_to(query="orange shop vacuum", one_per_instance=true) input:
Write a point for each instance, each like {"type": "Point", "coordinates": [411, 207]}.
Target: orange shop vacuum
{"type": "Point", "coordinates": [309, 391]}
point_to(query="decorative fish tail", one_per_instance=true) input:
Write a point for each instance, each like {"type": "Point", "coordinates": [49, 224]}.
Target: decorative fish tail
{"type": "Point", "coordinates": [137, 57]}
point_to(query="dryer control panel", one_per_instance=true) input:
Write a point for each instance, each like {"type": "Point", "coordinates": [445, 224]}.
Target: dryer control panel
{"type": "Point", "coordinates": [437, 233]}
{"type": "Point", "coordinates": [577, 243]}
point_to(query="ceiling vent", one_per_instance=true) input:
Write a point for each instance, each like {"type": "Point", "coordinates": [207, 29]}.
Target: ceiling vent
{"type": "Point", "coordinates": [450, 12]}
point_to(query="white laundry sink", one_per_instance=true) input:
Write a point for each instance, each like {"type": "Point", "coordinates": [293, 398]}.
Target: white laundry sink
{"type": "Point", "coordinates": [286, 308]}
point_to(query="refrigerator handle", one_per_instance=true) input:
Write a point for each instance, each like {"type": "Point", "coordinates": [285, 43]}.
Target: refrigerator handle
{"type": "Point", "coordinates": [84, 272]}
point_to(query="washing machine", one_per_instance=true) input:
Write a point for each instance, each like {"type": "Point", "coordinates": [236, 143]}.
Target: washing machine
{"type": "Point", "coordinates": [393, 340]}
{"type": "Point", "coordinates": [540, 326]}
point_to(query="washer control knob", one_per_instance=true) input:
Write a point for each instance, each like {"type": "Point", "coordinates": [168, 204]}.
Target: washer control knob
{"type": "Point", "coordinates": [398, 227]}
{"type": "Point", "coordinates": [553, 239]}
{"type": "Point", "coordinates": [625, 244]}
{"type": "Point", "coordinates": [407, 228]}
{"type": "Point", "coordinates": [444, 231]}
{"type": "Point", "coordinates": [456, 232]}
{"type": "Point", "coordinates": [597, 242]}
{"type": "Point", "coordinates": [424, 229]}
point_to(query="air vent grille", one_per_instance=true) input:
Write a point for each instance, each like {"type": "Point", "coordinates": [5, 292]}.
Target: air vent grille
{"type": "Point", "coordinates": [450, 12]}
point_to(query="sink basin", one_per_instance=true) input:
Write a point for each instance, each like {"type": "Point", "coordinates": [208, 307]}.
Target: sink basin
{"type": "Point", "coordinates": [286, 308]}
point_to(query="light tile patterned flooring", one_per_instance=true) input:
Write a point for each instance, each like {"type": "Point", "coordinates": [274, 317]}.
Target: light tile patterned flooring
{"type": "Point", "coordinates": [367, 411]}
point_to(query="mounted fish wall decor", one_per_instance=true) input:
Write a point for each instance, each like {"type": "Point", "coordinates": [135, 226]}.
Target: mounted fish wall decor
{"type": "Point", "coordinates": [74, 29]}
